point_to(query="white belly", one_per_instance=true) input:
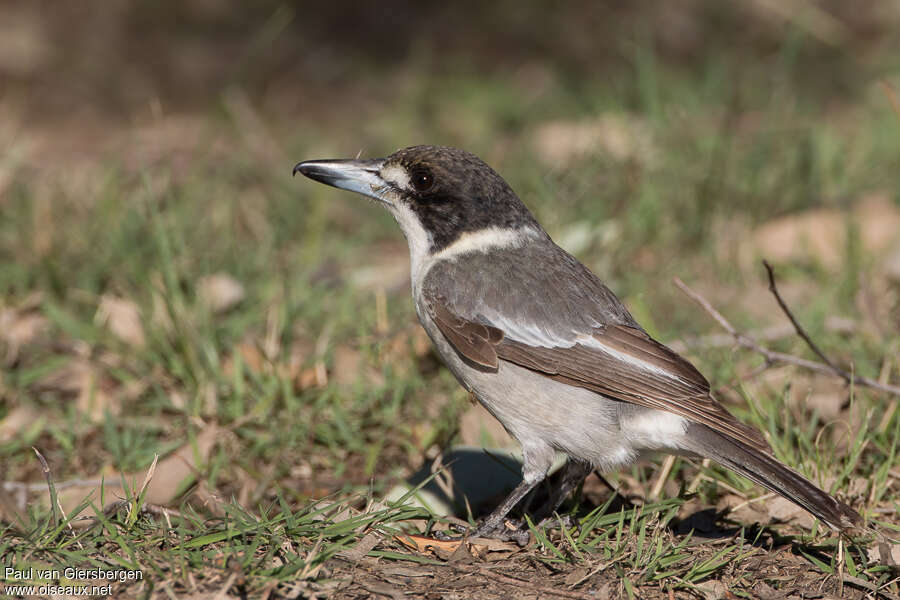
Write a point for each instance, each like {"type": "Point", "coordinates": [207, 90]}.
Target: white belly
{"type": "Point", "coordinates": [547, 416]}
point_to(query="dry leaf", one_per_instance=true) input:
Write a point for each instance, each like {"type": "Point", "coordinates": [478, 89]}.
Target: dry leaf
{"type": "Point", "coordinates": [821, 233]}
{"type": "Point", "coordinates": [425, 545]}
{"type": "Point", "coordinates": [16, 421]}
{"type": "Point", "coordinates": [885, 553]}
{"type": "Point", "coordinates": [167, 481]}
{"type": "Point", "coordinates": [307, 378]}
{"type": "Point", "coordinates": [785, 511]}
{"type": "Point", "coordinates": [17, 329]}
{"type": "Point", "coordinates": [491, 545]}
{"type": "Point", "coordinates": [742, 510]}
{"type": "Point", "coordinates": [94, 393]}
{"type": "Point", "coordinates": [349, 367]}
{"type": "Point", "coordinates": [824, 395]}
{"type": "Point", "coordinates": [220, 292]}
{"type": "Point", "coordinates": [575, 576]}
{"type": "Point", "coordinates": [454, 549]}
{"type": "Point", "coordinates": [363, 547]}
{"type": "Point", "coordinates": [713, 590]}
{"type": "Point", "coordinates": [623, 137]}
{"type": "Point", "coordinates": [123, 318]}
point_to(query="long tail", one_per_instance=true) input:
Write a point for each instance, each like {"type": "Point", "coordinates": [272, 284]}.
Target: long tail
{"type": "Point", "coordinates": [765, 470]}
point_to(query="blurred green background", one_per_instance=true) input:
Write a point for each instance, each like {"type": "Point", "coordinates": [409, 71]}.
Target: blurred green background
{"type": "Point", "coordinates": [162, 277]}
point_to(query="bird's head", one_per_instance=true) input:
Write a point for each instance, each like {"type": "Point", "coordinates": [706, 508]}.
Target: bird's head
{"type": "Point", "coordinates": [437, 194]}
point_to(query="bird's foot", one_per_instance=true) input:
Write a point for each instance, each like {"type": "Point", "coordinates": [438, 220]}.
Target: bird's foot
{"type": "Point", "coordinates": [507, 530]}
{"type": "Point", "coordinates": [447, 536]}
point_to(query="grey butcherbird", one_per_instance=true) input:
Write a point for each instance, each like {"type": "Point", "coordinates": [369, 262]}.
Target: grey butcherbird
{"type": "Point", "coordinates": [542, 343]}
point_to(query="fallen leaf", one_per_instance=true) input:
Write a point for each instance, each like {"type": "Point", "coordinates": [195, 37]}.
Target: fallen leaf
{"type": "Point", "coordinates": [17, 420]}
{"type": "Point", "coordinates": [713, 590]}
{"type": "Point", "coordinates": [823, 395]}
{"type": "Point", "coordinates": [456, 549]}
{"type": "Point", "coordinates": [350, 366]}
{"type": "Point", "coordinates": [19, 328]}
{"type": "Point", "coordinates": [785, 511]}
{"type": "Point", "coordinates": [167, 482]}
{"type": "Point", "coordinates": [123, 318]}
{"type": "Point", "coordinates": [885, 553]}
{"type": "Point", "coordinates": [424, 545]}
{"type": "Point", "coordinates": [363, 547]}
{"type": "Point", "coordinates": [307, 378]}
{"type": "Point", "coordinates": [383, 589]}
{"type": "Point", "coordinates": [491, 545]}
{"type": "Point", "coordinates": [93, 391]}
{"type": "Point", "coordinates": [575, 576]}
{"type": "Point", "coordinates": [742, 510]}
{"type": "Point", "coordinates": [821, 233]}
{"type": "Point", "coordinates": [220, 292]}
{"type": "Point", "coordinates": [621, 136]}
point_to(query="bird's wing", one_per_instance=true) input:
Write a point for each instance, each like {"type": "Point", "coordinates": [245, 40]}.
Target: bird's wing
{"type": "Point", "coordinates": [619, 361]}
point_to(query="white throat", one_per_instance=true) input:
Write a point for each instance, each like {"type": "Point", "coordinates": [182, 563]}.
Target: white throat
{"type": "Point", "coordinates": [417, 238]}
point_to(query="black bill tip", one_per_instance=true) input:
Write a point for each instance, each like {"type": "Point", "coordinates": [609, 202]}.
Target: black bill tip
{"type": "Point", "coordinates": [360, 176]}
{"type": "Point", "coordinates": [303, 167]}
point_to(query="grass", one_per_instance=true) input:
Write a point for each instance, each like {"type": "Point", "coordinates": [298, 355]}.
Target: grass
{"type": "Point", "coordinates": [315, 388]}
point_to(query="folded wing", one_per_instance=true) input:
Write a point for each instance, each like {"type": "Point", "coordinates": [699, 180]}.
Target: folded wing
{"type": "Point", "coordinates": [618, 360]}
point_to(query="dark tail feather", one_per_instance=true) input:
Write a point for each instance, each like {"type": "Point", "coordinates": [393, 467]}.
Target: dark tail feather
{"type": "Point", "coordinates": [771, 474]}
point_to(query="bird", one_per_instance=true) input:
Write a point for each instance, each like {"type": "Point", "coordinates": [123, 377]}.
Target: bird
{"type": "Point", "coordinates": [543, 344]}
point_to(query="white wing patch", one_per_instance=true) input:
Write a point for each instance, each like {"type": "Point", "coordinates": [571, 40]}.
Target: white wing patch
{"type": "Point", "coordinates": [592, 342]}
{"type": "Point", "coordinates": [534, 336]}
{"type": "Point", "coordinates": [528, 333]}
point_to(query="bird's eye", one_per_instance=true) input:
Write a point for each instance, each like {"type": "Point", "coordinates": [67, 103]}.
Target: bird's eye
{"type": "Point", "coordinates": [421, 180]}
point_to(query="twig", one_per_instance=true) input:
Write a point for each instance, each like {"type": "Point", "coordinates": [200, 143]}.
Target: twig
{"type": "Point", "coordinates": [800, 331]}
{"type": "Point", "coordinates": [766, 334]}
{"type": "Point", "coordinates": [777, 357]}
{"type": "Point", "coordinates": [661, 477]}
{"type": "Point", "coordinates": [871, 587]}
{"type": "Point", "coordinates": [19, 486]}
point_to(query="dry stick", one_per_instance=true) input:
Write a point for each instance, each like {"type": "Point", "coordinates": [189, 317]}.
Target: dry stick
{"type": "Point", "coordinates": [871, 587]}
{"type": "Point", "coordinates": [800, 331]}
{"type": "Point", "coordinates": [16, 486]}
{"type": "Point", "coordinates": [777, 357]}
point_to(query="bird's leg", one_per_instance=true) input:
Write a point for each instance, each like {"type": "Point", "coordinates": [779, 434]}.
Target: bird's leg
{"type": "Point", "coordinates": [494, 521]}
{"type": "Point", "coordinates": [574, 472]}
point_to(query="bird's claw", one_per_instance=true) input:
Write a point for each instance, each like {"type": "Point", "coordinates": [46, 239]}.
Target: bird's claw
{"type": "Point", "coordinates": [505, 531]}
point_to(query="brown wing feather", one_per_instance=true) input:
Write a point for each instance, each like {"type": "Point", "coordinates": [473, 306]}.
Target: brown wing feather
{"type": "Point", "coordinates": [474, 341]}
{"type": "Point", "coordinates": [687, 394]}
